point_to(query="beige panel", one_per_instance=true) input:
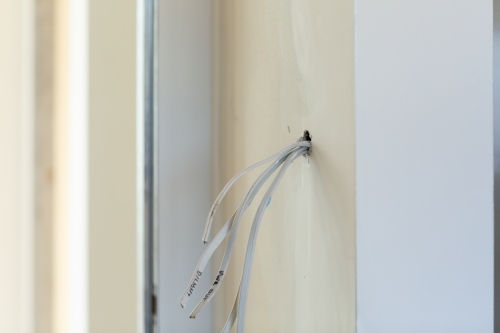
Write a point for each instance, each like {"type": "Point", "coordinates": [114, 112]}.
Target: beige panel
{"type": "Point", "coordinates": [112, 167]}
{"type": "Point", "coordinates": [112, 259]}
{"type": "Point", "coordinates": [285, 66]}
{"type": "Point", "coordinates": [44, 165]}
{"type": "Point", "coordinates": [60, 274]}
{"type": "Point", "coordinates": [16, 166]}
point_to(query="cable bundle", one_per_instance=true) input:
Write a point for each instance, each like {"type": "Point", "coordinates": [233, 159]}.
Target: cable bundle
{"type": "Point", "coordinates": [283, 158]}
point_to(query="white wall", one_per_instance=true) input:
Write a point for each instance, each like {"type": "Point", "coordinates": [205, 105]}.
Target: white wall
{"type": "Point", "coordinates": [424, 150]}
{"type": "Point", "coordinates": [184, 157]}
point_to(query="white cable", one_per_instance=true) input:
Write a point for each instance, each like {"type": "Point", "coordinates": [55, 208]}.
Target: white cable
{"type": "Point", "coordinates": [214, 244]}
{"type": "Point", "coordinates": [226, 188]}
{"type": "Point", "coordinates": [239, 305]}
{"type": "Point", "coordinates": [247, 268]}
{"type": "Point", "coordinates": [230, 245]}
{"type": "Point", "coordinates": [207, 254]}
{"type": "Point", "coordinates": [232, 316]}
{"type": "Point", "coordinates": [245, 203]}
{"type": "Point", "coordinates": [285, 157]}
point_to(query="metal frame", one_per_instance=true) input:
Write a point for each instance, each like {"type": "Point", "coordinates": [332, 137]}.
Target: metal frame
{"type": "Point", "coordinates": [496, 140]}
{"type": "Point", "coordinates": [150, 163]}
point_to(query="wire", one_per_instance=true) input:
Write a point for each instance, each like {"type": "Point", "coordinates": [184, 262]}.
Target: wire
{"type": "Point", "coordinates": [227, 228]}
{"type": "Point", "coordinates": [233, 315]}
{"type": "Point", "coordinates": [247, 268]}
{"type": "Point", "coordinates": [239, 307]}
{"type": "Point", "coordinates": [230, 242]}
{"type": "Point", "coordinates": [234, 227]}
{"type": "Point", "coordinates": [283, 158]}
{"type": "Point", "coordinates": [209, 251]}
{"type": "Point", "coordinates": [226, 188]}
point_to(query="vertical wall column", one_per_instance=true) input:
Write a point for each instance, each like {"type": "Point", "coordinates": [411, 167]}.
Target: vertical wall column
{"type": "Point", "coordinates": [283, 67]}
{"type": "Point", "coordinates": [95, 231]}
{"type": "Point", "coordinates": [44, 164]}
{"type": "Point", "coordinates": [112, 225]}
{"type": "Point", "coordinates": [17, 37]}
{"type": "Point", "coordinates": [70, 233]}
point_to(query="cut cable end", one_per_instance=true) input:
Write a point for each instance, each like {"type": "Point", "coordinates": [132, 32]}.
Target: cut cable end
{"type": "Point", "coordinates": [306, 137]}
{"type": "Point", "coordinates": [204, 239]}
{"type": "Point", "coordinates": [206, 233]}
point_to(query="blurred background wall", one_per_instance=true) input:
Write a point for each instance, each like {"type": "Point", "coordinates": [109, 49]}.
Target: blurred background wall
{"type": "Point", "coordinates": [17, 144]}
{"type": "Point", "coordinates": [68, 234]}
{"type": "Point", "coordinates": [69, 242]}
{"type": "Point", "coordinates": [184, 157]}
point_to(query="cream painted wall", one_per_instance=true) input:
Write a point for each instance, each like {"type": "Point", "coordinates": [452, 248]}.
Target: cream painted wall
{"type": "Point", "coordinates": [16, 166]}
{"type": "Point", "coordinates": [285, 66]}
{"type": "Point", "coordinates": [113, 255]}
{"type": "Point", "coordinates": [60, 320]}
{"type": "Point", "coordinates": [95, 230]}
{"type": "Point", "coordinates": [70, 264]}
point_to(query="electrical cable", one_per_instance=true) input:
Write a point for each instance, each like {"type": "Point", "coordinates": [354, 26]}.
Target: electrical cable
{"type": "Point", "coordinates": [229, 250]}
{"type": "Point", "coordinates": [283, 158]}
{"type": "Point", "coordinates": [233, 315]}
{"type": "Point", "coordinates": [234, 227]}
{"type": "Point", "coordinates": [226, 188]}
{"type": "Point", "coordinates": [247, 268]}
{"type": "Point", "coordinates": [239, 306]}
{"type": "Point", "coordinates": [227, 228]}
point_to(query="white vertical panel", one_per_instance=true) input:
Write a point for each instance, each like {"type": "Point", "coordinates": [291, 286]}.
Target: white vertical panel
{"type": "Point", "coordinates": [95, 163]}
{"type": "Point", "coordinates": [184, 157]}
{"type": "Point", "coordinates": [424, 166]}
{"type": "Point", "coordinates": [77, 244]}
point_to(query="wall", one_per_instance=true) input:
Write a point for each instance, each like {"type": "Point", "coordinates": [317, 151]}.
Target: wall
{"type": "Point", "coordinates": [96, 257]}
{"type": "Point", "coordinates": [112, 231]}
{"type": "Point", "coordinates": [389, 226]}
{"type": "Point", "coordinates": [286, 66]}
{"type": "Point", "coordinates": [16, 167]}
{"type": "Point", "coordinates": [424, 148]}
{"type": "Point", "coordinates": [184, 157]}
{"type": "Point", "coordinates": [87, 250]}
{"type": "Point", "coordinates": [423, 133]}
{"type": "Point", "coordinates": [44, 164]}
